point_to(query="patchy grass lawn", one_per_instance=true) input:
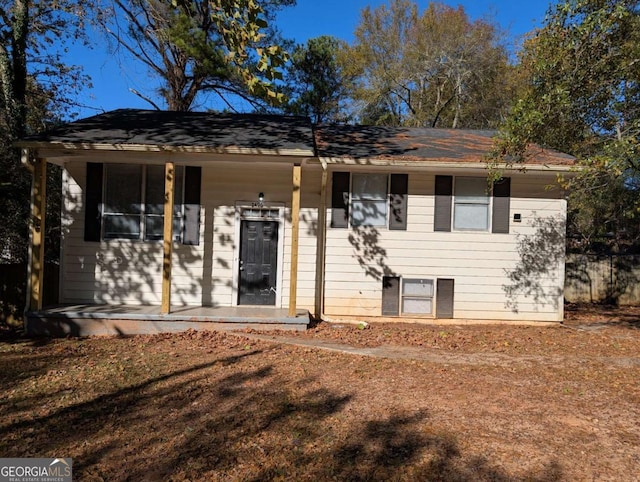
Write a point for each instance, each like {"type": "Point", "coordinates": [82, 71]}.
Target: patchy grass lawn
{"type": "Point", "coordinates": [496, 403]}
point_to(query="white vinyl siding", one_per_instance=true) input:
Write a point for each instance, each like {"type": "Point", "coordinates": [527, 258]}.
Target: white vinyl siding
{"type": "Point", "coordinates": [479, 262]}
{"type": "Point", "coordinates": [122, 271]}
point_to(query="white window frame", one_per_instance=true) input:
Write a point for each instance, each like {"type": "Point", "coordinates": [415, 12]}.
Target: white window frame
{"type": "Point", "coordinates": [458, 201]}
{"type": "Point", "coordinates": [415, 296]}
{"type": "Point", "coordinates": [369, 200]}
{"type": "Point", "coordinates": [178, 214]}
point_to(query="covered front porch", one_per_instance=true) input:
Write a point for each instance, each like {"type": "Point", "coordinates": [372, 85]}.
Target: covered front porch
{"type": "Point", "coordinates": [178, 254]}
{"type": "Point", "coordinates": [126, 320]}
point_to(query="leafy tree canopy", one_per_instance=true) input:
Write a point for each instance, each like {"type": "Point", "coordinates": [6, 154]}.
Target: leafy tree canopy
{"type": "Point", "coordinates": [316, 83]}
{"type": "Point", "coordinates": [36, 87]}
{"type": "Point", "coordinates": [194, 47]}
{"type": "Point", "coordinates": [583, 97]}
{"type": "Point", "coordinates": [583, 69]}
{"type": "Point", "coordinates": [436, 68]}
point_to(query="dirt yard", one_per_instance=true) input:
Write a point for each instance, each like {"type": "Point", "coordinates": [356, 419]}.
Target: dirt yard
{"type": "Point", "coordinates": [407, 402]}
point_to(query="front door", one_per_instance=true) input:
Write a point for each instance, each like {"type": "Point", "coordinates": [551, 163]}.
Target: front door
{"type": "Point", "coordinates": [258, 262]}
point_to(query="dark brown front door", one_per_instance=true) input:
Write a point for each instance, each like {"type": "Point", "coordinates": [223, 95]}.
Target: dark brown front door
{"type": "Point", "coordinates": [258, 262]}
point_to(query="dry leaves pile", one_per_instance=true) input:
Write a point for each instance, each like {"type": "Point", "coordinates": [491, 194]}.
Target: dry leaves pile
{"type": "Point", "coordinates": [467, 403]}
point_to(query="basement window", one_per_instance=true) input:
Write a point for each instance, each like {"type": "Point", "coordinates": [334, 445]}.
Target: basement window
{"type": "Point", "coordinates": [417, 296]}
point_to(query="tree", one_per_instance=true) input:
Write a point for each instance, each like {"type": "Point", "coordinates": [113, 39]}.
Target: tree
{"type": "Point", "coordinates": [195, 47]}
{"type": "Point", "coordinates": [436, 69]}
{"type": "Point", "coordinates": [583, 98]}
{"type": "Point", "coordinates": [35, 88]}
{"type": "Point", "coordinates": [316, 82]}
{"type": "Point", "coordinates": [583, 73]}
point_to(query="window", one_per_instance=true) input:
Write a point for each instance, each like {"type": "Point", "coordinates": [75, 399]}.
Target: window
{"type": "Point", "coordinates": [122, 208]}
{"type": "Point", "coordinates": [133, 205]}
{"type": "Point", "coordinates": [124, 201]}
{"type": "Point", "coordinates": [466, 205]}
{"type": "Point", "coordinates": [417, 296]}
{"type": "Point", "coordinates": [471, 204]}
{"type": "Point", "coordinates": [154, 202]}
{"type": "Point", "coordinates": [409, 296]}
{"type": "Point", "coordinates": [361, 199]}
{"type": "Point", "coordinates": [369, 199]}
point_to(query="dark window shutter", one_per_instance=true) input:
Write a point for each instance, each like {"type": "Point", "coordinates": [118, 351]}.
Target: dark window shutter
{"type": "Point", "coordinates": [93, 200]}
{"type": "Point", "coordinates": [444, 298]}
{"type": "Point", "coordinates": [501, 205]}
{"type": "Point", "coordinates": [398, 201]}
{"type": "Point", "coordinates": [340, 200]}
{"type": "Point", "coordinates": [192, 187]}
{"type": "Point", "coordinates": [390, 295]}
{"type": "Point", "coordinates": [442, 212]}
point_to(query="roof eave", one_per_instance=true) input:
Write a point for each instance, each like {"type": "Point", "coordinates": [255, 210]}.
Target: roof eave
{"type": "Point", "coordinates": [98, 146]}
{"type": "Point", "coordinates": [438, 164]}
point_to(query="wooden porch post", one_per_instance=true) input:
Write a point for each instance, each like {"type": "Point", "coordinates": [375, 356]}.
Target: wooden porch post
{"type": "Point", "coordinates": [295, 227]}
{"type": "Point", "coordinates": [38, 208]}
{"type": "Point", "coordinates": [169, 171]}
{"type": "Point", "coordinates": [320, 246]}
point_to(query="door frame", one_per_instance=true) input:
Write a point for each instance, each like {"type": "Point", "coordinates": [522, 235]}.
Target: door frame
{"type": "Point", "coordinates": [240, 216]}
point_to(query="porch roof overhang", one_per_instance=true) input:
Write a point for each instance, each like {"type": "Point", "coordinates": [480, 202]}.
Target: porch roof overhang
{"type": "Point", "coordinates": [142, 131]}
{"type": "Point", "coordinates": [53, 150]}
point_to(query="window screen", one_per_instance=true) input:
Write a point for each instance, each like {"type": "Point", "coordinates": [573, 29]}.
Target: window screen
{"type": "Point", "coordinates": [471, 204]}
{"type": "Point", "coordinates": [369, 199]}
{"type": "Point", "coordinates": [122, 201]}
{"type": "Point", "coordinates": [134, 202]}
{"type": "Point", "coordinates": [417, 296]}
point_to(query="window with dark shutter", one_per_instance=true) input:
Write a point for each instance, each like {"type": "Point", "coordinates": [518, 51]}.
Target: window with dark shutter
{"type": "Point", "coordinates": [501, 205]}
{"type": "Point", "coordinates": [390, 295]}
{"type": "Point", "coordinates": [442, 212]}
{"type": "Point", "coordinates": [340, 200]}
{"type": "Point", "coordinates": [398, 190]}
{"type": "Point", "coordinates": [471, 204]}
{"type": "Point", "coordinates": [369, 199]}
{"type": "Point", "coordinates": [417, 296]}
{"type": "Point", "coordinates": [444, 298]}
{"type": "Point", "coordinates": [93, 199]}
{"type": "Point", "coordinates": [126, 201]}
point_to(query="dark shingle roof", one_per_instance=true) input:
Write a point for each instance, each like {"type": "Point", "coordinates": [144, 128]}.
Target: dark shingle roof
{"type": "Point", "coordinates": [275, 134]}
{"type": "Point", "coordinates": [419, 144]}
{"type": "Point", "coordinates": [186, 129]}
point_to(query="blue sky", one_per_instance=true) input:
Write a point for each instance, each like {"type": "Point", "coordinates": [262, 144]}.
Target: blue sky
{"type": "Point", "coordinates": [112, 78]}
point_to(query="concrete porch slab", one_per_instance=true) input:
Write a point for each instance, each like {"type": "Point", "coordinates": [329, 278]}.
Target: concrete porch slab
{"type": "Point", "coordinates": [91, 320]}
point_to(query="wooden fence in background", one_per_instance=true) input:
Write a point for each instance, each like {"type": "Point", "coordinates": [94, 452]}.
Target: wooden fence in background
{"type": "Point", "coordinates": [602, 279]}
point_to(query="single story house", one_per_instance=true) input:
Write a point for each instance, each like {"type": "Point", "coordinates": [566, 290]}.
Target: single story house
{"type": "Point", "coordinates": [179, 211]}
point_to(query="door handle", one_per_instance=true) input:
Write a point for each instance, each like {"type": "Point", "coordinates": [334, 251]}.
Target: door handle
{"type": "Point", "coordinates": [241, 265]}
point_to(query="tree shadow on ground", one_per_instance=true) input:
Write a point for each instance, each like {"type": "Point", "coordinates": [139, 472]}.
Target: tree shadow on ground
{"type": "Point", "coordinates": [237, 417]}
